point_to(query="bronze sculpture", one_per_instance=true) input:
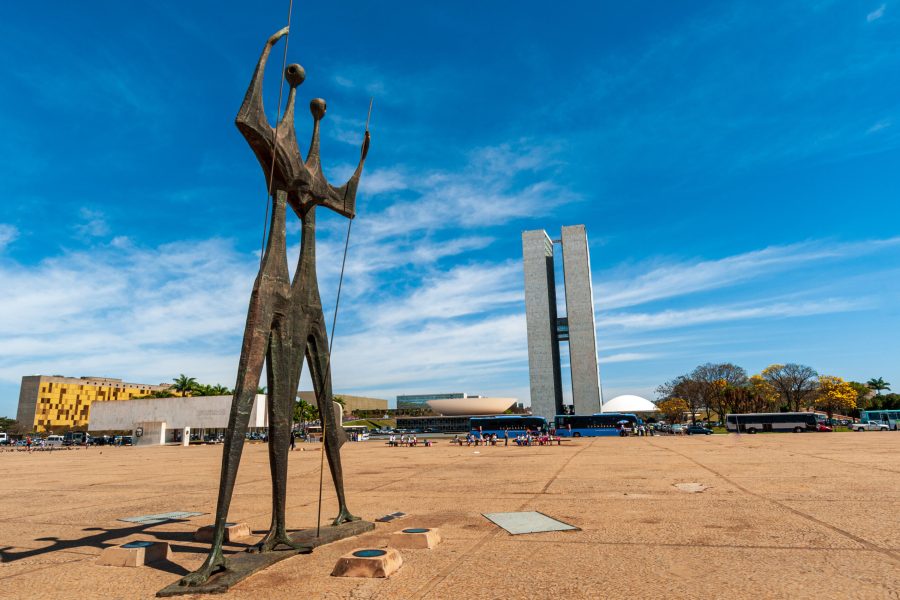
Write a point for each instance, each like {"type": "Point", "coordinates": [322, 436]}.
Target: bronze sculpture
{"type": "Point", "coordinates": [285, 323]}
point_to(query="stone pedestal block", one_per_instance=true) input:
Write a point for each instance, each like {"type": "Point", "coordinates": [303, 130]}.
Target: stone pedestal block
{"type": "Point", "coordinates": [134, 554]}
{"type": "Point", "coordinates": [368, 562]}
{"type": "Point", "coordinates": [416, 538]}
{"type": "Point", "coordinates": [233, 532]}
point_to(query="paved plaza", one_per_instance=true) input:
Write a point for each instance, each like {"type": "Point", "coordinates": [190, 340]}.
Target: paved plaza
{"type": "Point", "coordinates": [783, 515]}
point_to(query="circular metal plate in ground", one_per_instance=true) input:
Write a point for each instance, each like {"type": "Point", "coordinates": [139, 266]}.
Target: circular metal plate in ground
{"type": "Point", "coordinates": [369, 553]}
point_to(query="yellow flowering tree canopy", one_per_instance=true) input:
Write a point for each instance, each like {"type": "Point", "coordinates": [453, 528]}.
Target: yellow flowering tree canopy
{"type": "Point", "coordinates": [835, 395]}
{"type": "Point", "coordinates": [673, 408]}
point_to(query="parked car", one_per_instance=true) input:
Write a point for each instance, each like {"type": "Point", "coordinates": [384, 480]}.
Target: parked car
{"type": "Point", "coordinates": [870, 426]}
{"type": "Point", "coordinates": [698, 429]}
{"type": "Point", "coordinates": [677, 429]}
{"type": "Point", "coordinates": [54, 440]}
{"type": "Point", "coordinates": [822, 427]}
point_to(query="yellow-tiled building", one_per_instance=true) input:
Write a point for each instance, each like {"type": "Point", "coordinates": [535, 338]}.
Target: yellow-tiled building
{"type": "Point", "coordinates": [48, 403]}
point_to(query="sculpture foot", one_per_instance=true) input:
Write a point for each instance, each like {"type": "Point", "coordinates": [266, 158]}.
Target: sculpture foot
{"type": "Point", "coordinates": [274, 539]}
{"type": "Point", "coordinates": [344, 517]}
{"type": "Point", "coordinates": [215, 562]}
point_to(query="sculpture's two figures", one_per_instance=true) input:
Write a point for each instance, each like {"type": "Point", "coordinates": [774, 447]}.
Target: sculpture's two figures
{"type": "Point", "coordinates": [285, 323]}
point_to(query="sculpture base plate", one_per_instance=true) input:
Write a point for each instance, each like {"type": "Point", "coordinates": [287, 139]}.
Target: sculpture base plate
{"type": "Point", "coordinates": [242, 565]}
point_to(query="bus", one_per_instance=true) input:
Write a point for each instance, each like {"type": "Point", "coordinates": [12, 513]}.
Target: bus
{"type": "Point", "coordinates": [597, 424]}
{"type": "Point", "coordinates": [514, 424]}
{"type": "Point", "coordinates": [891, 418]}
{"type": "Point", "coordinates": [754, 422]}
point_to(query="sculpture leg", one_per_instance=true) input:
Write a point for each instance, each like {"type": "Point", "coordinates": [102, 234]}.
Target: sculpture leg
{"type": "Point", "coordinates": [282, 385]}
{"type": "Point", "coordinates": [252, 355]}
{"type": "Point", "coordinates": [320, 372]}
{"type": "Point", "coordinates": [270, 291]}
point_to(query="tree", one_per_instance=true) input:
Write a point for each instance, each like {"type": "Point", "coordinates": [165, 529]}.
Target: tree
{"type": "Point", "coordinates": [795, 384]}
{"type": "Point", "coordinates": [878, 385]}
{"type": "Point", "coordinates": [761, 396]}
{"type": "Point", "coordinates": [864, 394]}
{"type": "Point", "coordinates": [305, 412]}
{"type": "Point", "coordinates": [673, 408]}
{"type": "Point", "coordinates": [184, 384]}
{"type": "Point", "coordinates": [889, 402]}
{"type": "Point", "coordinates": [714, 379]}
{"type": "Point", "coordinates": [835, 394]}
{"type": "Point", "coordinates": [200, 389]}
{"type": "Point", "coordinates": [689, 390]}
{"type": "Point", "coordinates": [6, 423]}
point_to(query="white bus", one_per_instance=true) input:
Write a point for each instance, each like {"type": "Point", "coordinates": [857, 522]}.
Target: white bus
{"type": "Point", "coordinates": [755, 422]}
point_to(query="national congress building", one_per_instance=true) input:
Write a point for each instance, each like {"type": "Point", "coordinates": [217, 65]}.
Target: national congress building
{"type": "Point", "coordinates": [546, 329]}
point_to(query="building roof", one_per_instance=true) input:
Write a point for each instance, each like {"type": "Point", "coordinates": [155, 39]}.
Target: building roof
{"type": "Point", "coordinates": [471, 406]}
{"type": "Point", "coordinates": [627, 403]}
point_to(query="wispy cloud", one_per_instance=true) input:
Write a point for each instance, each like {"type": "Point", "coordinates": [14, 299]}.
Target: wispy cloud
{"type": "Point", "coordinates": [876, 14]}
{"type": "Point", "coordinates": [8, 234]}
{"type": "Point", "coordinates": [688, 277]}
{"type": "Point", "coordinates": [669, 319]}
{"type": "Point", "coordinates": [124, 309]}
{"type": "Point", "coordinates": [148, 313]}
{"type": "Point", "coordinates": [627, 357]}
{"type": "Point", "coordinates": [883, 124]}
{"type": "Point", "coordinates": [92, 223]}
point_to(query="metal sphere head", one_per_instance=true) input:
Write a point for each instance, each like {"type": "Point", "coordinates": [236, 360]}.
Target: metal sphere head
{"type": "Point", "coordinates": [317, 108]}
{"type": "Point", "coordinates": [295, 74]}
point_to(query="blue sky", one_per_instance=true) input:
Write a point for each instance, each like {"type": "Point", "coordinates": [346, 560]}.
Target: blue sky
{"type": "Point", "coordinates": [735, 164]}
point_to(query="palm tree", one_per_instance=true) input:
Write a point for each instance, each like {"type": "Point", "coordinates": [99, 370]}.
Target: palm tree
{"type": "Point", "coordinates": [878, 385]}
{"type": "Point", "coordinates": [219, 390]}
{"type": "Point", "coordinates": [184, 384]}
{"type": "Point", "coordinates": [304, 412]}
{"type": "Point", "coordinates": [201, 389]}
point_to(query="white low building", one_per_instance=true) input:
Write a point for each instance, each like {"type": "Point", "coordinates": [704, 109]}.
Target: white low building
{"type": "Point", "coordinates": [155, 421]}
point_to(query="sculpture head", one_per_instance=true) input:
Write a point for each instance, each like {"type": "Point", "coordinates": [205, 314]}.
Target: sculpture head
{"type": "Point", "coordinates": [295, 74]}
{"type": "Point", "coordinates": [317, 108]}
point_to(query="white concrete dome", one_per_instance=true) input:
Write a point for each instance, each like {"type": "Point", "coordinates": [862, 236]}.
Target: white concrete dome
{"type": "Point", "coordinates": [471, 406]}
{"type": "Point", "coordinates": [627, 403]}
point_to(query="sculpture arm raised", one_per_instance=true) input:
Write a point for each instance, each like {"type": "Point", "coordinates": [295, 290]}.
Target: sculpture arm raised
{"type": "Point", "coordinates": [251, 118]}
{"type": "Point", "coordinates": [343, 199]}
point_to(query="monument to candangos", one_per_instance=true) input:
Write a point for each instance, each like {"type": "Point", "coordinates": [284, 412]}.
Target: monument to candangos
{"type": "Point", "coordinates": [285, 323]}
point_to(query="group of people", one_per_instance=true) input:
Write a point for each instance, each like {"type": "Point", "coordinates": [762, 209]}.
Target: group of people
{"type": "Point", "coordinates": [537, 439]}
{"type": "Point", "coordinates": [529, 438]}
{"type": "Point", "coordinates": [478, 440]}
{"type": "Point", "coordinates": [408, 440]}
{"type": "Point", "coordinates": [639, 430]}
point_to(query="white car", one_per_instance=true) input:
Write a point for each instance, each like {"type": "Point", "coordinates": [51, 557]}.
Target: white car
{"type": "Point", "coordinates": [870, 426]}
{"type": "Point", "coordinates": [54, 440]}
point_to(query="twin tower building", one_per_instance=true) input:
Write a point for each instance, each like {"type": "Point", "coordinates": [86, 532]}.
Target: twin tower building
{"type": "Point", "coordinates": [546, 328]}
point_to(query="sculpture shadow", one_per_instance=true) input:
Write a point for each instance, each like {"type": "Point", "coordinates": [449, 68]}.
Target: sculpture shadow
{"type": "Point", "coordinates": [102, 538]}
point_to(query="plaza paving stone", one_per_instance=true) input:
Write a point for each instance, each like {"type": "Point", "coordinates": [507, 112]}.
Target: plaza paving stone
{"type": "Point", "coordinates": [782, 516]}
